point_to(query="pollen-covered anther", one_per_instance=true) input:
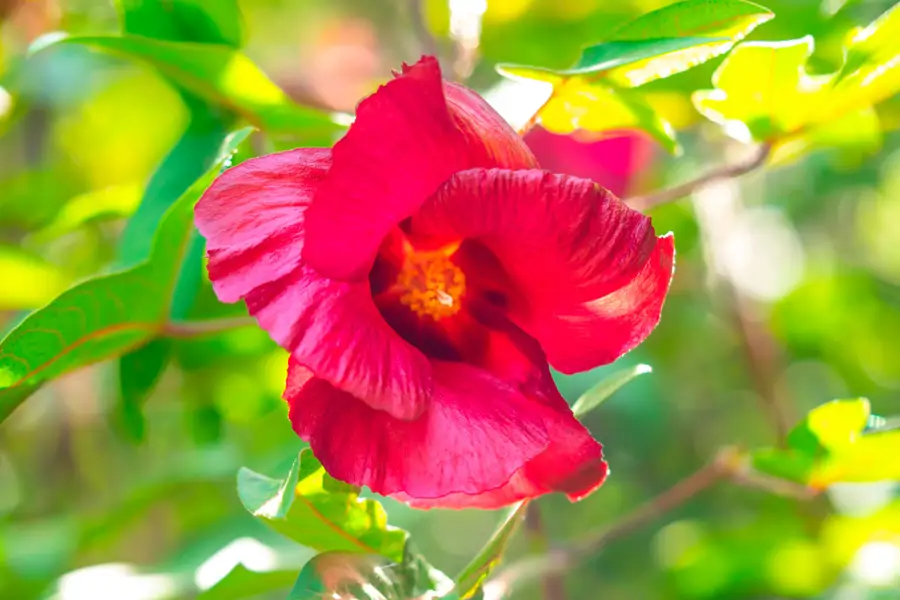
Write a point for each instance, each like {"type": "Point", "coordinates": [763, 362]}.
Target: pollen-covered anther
{"type": "Point", "coordinates": [433, 286]}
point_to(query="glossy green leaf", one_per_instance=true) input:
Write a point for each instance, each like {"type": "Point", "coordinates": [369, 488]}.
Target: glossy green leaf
{"type": "Point", "coordinates": [369, 577]}
{"type": "Point", "coordinates": [602, 57]}
{"type": "Point", "coordinates": [595, 396]}
{"type": "Point", "coordinates": [241, 583]}
{"type": "Point", "coordinates": [320, 512]}
{"type": "Point", "coordinates": [832, 445]}
{"type": "Point", "coordinates": [104, 316]}
{"type": "Point", "coordinates": [216, 22]}
{"type": "Point", "coordinates": [729, 19]}
{"type": "Point", "coordinates": [219, 74]}
{"type": "Point", "coordinates": [139, 371]}
{"type": "Point", "coordinates": [192, 156]}
{"type": "Point", "coordinates": [469, 580]}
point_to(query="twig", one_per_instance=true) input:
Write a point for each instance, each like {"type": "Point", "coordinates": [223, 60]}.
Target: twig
{"type": "Point", "coordinates": [644, 203]}
{"type": "Point", "coordinates": [729, 464]}
{"type": "Point", "coordinates": [427, 43]}
{"type": "Point", "coordinates": [761, 355]}
{"type": "Point", "coordinates": [561, 560]}
{"type": "Point", "coordinates": [553, 584]}
{"type": "Point", "coordinates": [185, 329]}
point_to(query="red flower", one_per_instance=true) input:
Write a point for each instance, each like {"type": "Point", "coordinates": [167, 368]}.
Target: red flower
{"type": "Point", "coordinates": [422, 273]}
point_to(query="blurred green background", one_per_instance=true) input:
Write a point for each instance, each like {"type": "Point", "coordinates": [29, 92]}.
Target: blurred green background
{"type": "Point", "coordinates": [787, 291]}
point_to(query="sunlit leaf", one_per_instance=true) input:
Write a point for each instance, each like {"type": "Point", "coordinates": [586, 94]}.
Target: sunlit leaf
{"type": "Point", "coordinates": [217, 22]}
{"type": "Point", "coordinates": [219, 74]}
{"type": "Point", "coordinates": [29, 280]}
{"type": "Point", "coordinates": [369, 577]}
{"type": "Point", "coordinates": [594, 96]}
{"type": "Point", "coordinates": [730, 19]}
{"type": "Point", "coordinates": [469, 580]}
{"type": "Point", "coordinates": [762, 89]}
{"type": "Point", "coordinates": [592, 398]}
{"type": "Point", "coordinates": [598, 108]}
{"type": "Point", "coordinates": [602, 57]}
{"type": "Point", "coordinates": [112, 202]}
{"type": "Point", "coordinates": [832, 445]}
{"type": "Point", "coordinates": [104, 316]}
{"type": "Point", "coordinates": [764, 92]}
{"type": "Point", "coordinates": [320, 512]}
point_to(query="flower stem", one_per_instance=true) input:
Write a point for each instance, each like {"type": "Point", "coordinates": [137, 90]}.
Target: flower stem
{"type": "Point", "coordinates": [553, 584]}
{"type": "Point", "coordinates": [649, 201]}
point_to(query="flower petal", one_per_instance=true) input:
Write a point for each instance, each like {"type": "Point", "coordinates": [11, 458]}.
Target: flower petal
{"type": "Point", "coordinates": [569, 247]}
{"type": "Point", "coordinates": [253, 220]}
{"type": "Point", "coordinates": [407, 139]}
{"type": "Point", "coordinates": [333, 328]}
{"type": "Point", "coordinates": [401, 147]}
{"type": "Point", "coordinates": [491, 140]}
{"type": "Point", "coordinates": [475, 434]}
{"type": "Point", "coordinates": [581, 336]}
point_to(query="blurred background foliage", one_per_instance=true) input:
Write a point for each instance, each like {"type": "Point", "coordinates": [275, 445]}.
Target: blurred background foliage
{"type": "Point", "coordinates": [787, 294]}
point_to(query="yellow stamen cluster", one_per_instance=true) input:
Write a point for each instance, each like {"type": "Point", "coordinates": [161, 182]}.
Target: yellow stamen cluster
{"type": "Point", "coordinates": [433, 285]}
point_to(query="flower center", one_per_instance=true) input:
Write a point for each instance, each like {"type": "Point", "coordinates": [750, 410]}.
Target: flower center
{"type": "Point", "coordinates": [433, 286]}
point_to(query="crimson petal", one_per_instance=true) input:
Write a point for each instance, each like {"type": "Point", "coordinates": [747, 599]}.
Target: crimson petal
{"type": "Point", "coordinates": [253, 220]}
{"type": "Point", "coordinates": [408, 138]}
{"type": "Point", "coordinates": [474, 436]}
{"type": "Point", "coordinates": [573, 251]}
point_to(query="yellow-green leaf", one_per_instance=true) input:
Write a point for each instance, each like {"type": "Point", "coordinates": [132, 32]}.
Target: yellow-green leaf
{"type": "Point", "coordinates": [318, 511]}
{"type": "Point", "coordinates": [598, 108]}
{"type": "Point", "coordinates": [762, 90]}
{"type": "Point", "coordinates": [219, 74]}
{"type": "Point", "coordinates": [729, 19]}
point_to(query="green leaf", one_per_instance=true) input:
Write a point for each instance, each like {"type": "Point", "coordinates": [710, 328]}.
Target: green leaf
{"type": "Point", "coordinates": [602, 57]}
{"type": "Point", "coordinates": [762, 90]}
{"type": "Point", "coordinates": [597, 108]}
{"type": "Point", "coordinates": [469, 580]}
{"type": "Point", "coordinates": [105, 316]}
{"type": "Point", "coordinates": [217, 22]}
{"type": "Point", "coordinates": [219, 74]}
{"type": "Point", "coordinates": [320, 512]}
{"type": "Point", "coordinates": [871, 72]}
{"type": "Point", "coordinates": [369, 577]}
{"type": "Point", "coordinates": [833, 445]}
{"type": "Point", "coordinates": [241, 582]}
{"type": "Point", "coordinates": [592, 398]}
{"type": "Point", "coordinates": [192, 156]}
{"type": "Point", "coordinates": [139, 371]}
{"type": "Point", "coordinates": [729, 19]}
{"type": "Point", "coordinates": [594, 95]}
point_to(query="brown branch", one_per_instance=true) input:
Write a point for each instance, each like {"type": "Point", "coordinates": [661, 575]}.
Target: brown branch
{"type": "Point", "coordinates": [649, 201]}
{"type": "Point", "coordinates": [553, 584]}
{"type": "Point", "coordinates": [761, 356]}
{"type": "Point", "coordinates": [729, 464]}
{"type": "Point", "coordinates": [186, 329]}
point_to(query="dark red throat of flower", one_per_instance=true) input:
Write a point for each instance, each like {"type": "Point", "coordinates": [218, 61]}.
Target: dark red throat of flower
{"type": "Point", "coordinates": [441, 300]}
